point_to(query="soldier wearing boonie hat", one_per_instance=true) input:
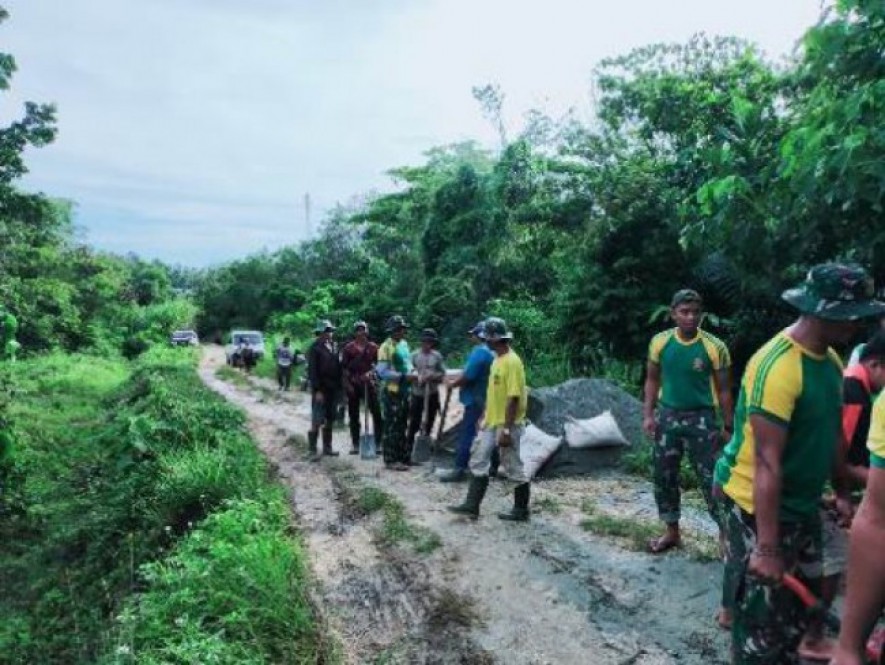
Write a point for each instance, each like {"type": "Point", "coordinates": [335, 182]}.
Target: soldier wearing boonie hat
{"type": "Point", "coordinates": [773, 471]}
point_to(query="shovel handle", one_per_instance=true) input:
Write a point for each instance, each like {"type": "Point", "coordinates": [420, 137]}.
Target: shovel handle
{"type": "Point", "coordinates": [445, 411]}
{"type": "Point", "coordinates": [814, 605]}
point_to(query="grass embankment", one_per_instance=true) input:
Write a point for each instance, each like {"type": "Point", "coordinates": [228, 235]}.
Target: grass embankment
{"type": "Point", "coordinates": [140, 525]}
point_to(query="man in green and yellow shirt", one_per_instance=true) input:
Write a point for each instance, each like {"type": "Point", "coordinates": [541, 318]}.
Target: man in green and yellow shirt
{"type": "Point", "coordinates": [687, 378]}
{"type": "Point", "coordinates": [784, 448]}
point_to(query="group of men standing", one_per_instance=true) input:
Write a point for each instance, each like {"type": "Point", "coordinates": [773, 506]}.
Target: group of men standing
{"type": "Point", "coordinates": [764, 465]}
{"type": "Point", "coordinates": [400, 389]}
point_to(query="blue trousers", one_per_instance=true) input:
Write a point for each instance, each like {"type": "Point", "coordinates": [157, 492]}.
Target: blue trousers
{"type": "Point", "coordinates": [472, 414]}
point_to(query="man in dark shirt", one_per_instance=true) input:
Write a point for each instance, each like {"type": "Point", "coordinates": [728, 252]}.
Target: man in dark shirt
{"type": "Point", "coordinates": [325, 385]}
{"type": "Point", "coordinates": [358, 359]}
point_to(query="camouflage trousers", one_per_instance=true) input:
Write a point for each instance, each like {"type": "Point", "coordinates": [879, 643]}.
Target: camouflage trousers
{"type": "Point", "coordinates": [395, 443]}
{"type": "Point", "coordinates": [769, 620]}
{"type": "Point", "coordinates": [678, 432]}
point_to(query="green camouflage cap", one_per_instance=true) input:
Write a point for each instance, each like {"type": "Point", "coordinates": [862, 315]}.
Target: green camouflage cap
{"type": "Point", "coordinates": [685, 295]}
{"type": "Point", "coordinates": [836, 292]}
{"type": "Point", "coordinates": [496, 330]}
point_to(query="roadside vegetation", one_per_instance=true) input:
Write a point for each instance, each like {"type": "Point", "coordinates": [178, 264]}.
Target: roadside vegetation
{"type": "Point", "coordinates": [141, 526]}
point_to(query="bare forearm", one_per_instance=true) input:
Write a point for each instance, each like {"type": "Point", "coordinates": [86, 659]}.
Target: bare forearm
{"type": "Point", "coordinates": [766, 500]}
{"type": "Point", "coordinates": [727, 406]}
{"type": "Point", "coordinates": [650, 401]}
{"type": "Point", "coordinates": [510, 411]}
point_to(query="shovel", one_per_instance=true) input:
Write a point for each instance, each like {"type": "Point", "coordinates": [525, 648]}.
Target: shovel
{"type": "Point", "coordinates": [368, 449]}
{"type": "Point", "coordinates": [421, 451]}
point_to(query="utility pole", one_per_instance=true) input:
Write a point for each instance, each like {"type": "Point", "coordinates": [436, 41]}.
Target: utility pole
{"type": "Point", "coordinates": [307, 215]}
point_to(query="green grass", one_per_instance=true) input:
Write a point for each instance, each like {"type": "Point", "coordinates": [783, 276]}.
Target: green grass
{"type": "Point", "coordinates": [139, 524]}
{"type": "Point", "coordinates": [635, 532]}
{"type": "Point", "coordinates": [395, 528]}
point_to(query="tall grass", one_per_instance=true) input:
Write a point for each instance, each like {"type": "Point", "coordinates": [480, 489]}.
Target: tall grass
{"type": "Point", "coordinates": [140, 496]}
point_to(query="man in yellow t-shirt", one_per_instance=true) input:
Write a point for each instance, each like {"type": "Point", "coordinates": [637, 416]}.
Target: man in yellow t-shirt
{"type": "Point", "coordinates": [503, 427]}
{"type": "Point", "coordinates": [865, 597]}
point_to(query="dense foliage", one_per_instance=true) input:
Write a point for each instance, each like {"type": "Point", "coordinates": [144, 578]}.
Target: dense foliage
{"type": "Point", "coordinates": [139, 494]}
{"type": "Point", "coordinates": [706, 165]}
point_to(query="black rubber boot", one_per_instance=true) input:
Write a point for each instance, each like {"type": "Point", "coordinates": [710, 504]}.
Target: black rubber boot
{"type": "Point", "coordinates": [354, 439]}
{"type": "Point", "coordinates": [327, 444]}
{"type": "Point", "coordinates": [475, 493]}
{"type": "Point", "coordinates": [453, 476]}
{"type": "Point", "coordinates": [312, 452]}
{"type": "Point", "coordinates": [520, 512]}
{"type": "Point", "coordinates": [495, 463]}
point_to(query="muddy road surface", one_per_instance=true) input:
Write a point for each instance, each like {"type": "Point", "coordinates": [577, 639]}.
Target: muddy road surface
{"type": "Point", "coordinates": [473, 592]}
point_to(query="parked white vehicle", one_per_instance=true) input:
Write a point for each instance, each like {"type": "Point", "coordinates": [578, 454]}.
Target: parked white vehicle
{"type": "Point", "coordinates": [240, 337]}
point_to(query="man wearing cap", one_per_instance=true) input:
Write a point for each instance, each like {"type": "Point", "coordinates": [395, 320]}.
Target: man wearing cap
{"type": "Point", "coordinates": [395, 371]}
{"type": "Point", "coordinates": [358, 359]}
{"type": "Point", "coordinates": [325, 383]}
{"type": "Point", "coordinates": [688, 379]}
{"type": "Point", "coordinates": [503, 426]}
{"type": "Point", "coordinates": [430, 370]}
{"type": "Point", "coordinates": [473, 384]}
{"type": "Point", "coordinates": [784, 449]}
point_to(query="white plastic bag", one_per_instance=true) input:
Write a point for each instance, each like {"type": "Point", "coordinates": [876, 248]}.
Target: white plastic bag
{"type": "Point", "coordinates": [535, 448]}
{"type": "Point", "coordinates": [595, 432]}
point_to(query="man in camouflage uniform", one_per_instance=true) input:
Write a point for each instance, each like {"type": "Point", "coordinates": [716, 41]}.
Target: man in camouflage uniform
{"type": "Point", "coordinates": [772, 473]}
{"type": "Point", "coordinates": [688, 380]}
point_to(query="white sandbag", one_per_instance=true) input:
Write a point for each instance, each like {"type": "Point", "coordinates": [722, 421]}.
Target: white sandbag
{"type": "Point", "coordinates": [595, 432]}
{"type": "Point", "coordinates": [535, 448]}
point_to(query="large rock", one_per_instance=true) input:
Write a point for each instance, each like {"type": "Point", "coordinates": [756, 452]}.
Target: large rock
{"type": "Point", "coordinates": [584, 398]}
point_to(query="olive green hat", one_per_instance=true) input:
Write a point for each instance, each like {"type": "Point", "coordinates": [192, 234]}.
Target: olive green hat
{"type": "Point", "coordinates": [685, 295]}
{"type": "Point", "coordinates": [324, 326]}
{"type": "Point", "coordinates": [836, 292]}
{"type": "Point", "coordinates": [496, 330]}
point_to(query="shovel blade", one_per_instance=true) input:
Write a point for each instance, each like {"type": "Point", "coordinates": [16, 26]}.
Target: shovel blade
{"type": "Point", "coordinates": [368, 450]}
{"type": "Point", "coordinates": [421, 450]}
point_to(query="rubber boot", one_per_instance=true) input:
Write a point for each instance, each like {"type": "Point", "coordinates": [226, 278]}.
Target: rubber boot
{"type": "Point", "coordinates": [520, 512]}
{"type": "Point", "coordinates": [312, 452]}
{"type": "Point", "coordinates": [453, 476]}
{"type": "Point", "coordinates": [475, 493]}
{"type": "Point", "coordinates": [354, 439]}
{"type": "Point", "coordinates": [327, 444]}
{"type": "Point", "coordinates": [494, 463]}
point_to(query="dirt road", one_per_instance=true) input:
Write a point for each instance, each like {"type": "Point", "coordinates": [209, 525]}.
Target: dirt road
{"type": "Point", "coordinates": [490, 592]}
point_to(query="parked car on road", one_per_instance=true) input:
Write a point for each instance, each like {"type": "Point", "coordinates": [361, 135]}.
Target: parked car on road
{"type": "Point", "coordinates": [238, 338]}
{"type": "Point", "coordinates": [184, 338]}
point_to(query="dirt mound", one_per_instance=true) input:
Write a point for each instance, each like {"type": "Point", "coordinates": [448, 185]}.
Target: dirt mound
{"type": "Point", "coordinates": [585, 398]}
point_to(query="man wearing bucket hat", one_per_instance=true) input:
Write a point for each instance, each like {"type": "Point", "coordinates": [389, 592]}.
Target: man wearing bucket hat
{"type": "Point", "coordinates": [395, 370]}
{"type": "Point", "coordinates": [772, 473]}
{"type": "Point", "coordinates": [503, 426]}
{"type": "Point", "coordinates": [325, 382]}
{"type": "Point", "coordinates": [358, 359]}
{"type": "Point", "coordinates": [430, 370]}
{"type": "Point", "coordinates": [473, 384]}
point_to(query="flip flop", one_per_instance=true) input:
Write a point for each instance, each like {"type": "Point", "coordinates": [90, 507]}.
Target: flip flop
{"type": "Point", "coordinates": [658, 546]}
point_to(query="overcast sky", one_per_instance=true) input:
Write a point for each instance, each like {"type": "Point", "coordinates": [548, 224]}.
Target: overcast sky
{"type": "Point", "coordinates": [190, 130]}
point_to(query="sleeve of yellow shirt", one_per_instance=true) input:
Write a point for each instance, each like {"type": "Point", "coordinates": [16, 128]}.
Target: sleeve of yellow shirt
{"type": "Point", "coordinates": [774, 385]}
{"type": "Point", "coordinates": [655, 347]}
{"type": "Point", "coordinates": [876, 439]}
